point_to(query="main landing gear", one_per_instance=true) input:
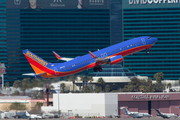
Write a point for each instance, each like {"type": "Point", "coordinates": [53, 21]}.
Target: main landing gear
{"type": "Point", "coordinates": [99, 68]}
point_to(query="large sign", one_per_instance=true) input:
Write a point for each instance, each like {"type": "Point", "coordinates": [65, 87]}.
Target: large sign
{"type": "Point", "coordinates": [58, 4]}
{"type": "Point", "coordinates": [153, 1]}
{"type": "Point", "coordinates": [150, 3]}
{"type": "Point", "coordinates": [149, 97]}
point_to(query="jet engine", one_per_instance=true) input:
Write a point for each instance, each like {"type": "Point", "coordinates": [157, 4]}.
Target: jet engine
{"type": "Point", "coordinates": [116, 59]}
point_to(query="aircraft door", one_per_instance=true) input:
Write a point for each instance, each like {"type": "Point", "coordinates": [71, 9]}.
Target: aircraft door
{"type": "Point", "coordinates": [143, 41]}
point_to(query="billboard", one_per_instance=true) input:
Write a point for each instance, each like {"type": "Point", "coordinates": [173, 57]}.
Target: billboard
{"type": "Point", "coordinates": [150, 3]}
{"type": "Point", "coordinates": [58, 4]}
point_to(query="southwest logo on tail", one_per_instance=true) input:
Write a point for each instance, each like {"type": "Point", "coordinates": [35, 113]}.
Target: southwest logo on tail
{"type": "Point", "coordinates": [110, 55]}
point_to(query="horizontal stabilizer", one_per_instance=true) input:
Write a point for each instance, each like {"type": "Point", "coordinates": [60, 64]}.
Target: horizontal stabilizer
{"type": "Point", "coordinates": [93, 56]}
{"type": "Point", "coordinates": [35, 75]}
{"type": "Point", "coordinates": [61, 58]}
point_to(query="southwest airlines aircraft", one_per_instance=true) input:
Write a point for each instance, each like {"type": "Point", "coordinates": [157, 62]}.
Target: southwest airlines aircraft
{"type": "Point", "coordinates": [110, 55]}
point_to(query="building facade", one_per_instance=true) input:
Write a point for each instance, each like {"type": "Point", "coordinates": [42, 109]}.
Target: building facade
{"type": "Point", "coordinates": [72, 29]}
{"type": "Point", "coordinates": [109, 104]}
{"type": "Point", "coordinates": [158, 19]}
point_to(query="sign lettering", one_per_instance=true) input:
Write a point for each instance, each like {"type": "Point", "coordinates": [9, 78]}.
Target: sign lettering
{"type": "Point", "coordinates": [36, 58]}
{"type": "Point", "coordinates": [149, 97]}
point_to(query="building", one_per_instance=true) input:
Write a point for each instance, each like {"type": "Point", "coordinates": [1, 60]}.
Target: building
{"type": "Point", "coordinates": [159, 19]}
{"type": "Point", "coordinates": [61, 25]}
{"type": "Point", "coordinates": [6, 101]}
{"type": "Point", "coordinates": [106, 104]}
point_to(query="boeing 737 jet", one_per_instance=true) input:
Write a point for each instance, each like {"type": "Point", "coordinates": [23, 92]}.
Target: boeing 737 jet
{"type": "Point", "coordinates": [110, 55]}
{"type": "Point", "coordinates": [135, 114]}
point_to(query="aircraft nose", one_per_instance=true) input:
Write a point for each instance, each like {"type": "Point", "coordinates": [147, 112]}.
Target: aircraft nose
{"type": "Point", "coordinates": [154, 40]}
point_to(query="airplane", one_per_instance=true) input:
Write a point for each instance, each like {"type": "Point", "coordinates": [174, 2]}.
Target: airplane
{"type": "Point", "coordinates": [135, 114]}
{"type": "Point", "coordinates": [111, 55]}
{"type": "Point", "coordinates": [48, 115]}
{"type": "Point", "coordinates": [33, 116]}
{"type": "Point", "coordinates": [165, 115]}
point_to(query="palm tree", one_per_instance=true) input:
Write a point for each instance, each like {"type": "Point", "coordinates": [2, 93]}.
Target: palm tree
{"type": "Point", "coordinates": [83, 78]}
{"type": "Point", "coordinates": [72, 78]}
{"type": "Point", "coordinates": [90, 78]}
{"type": "Point", "coordinates": [101, 82]}
{"type": "Point", "coordinates": [62, 87]}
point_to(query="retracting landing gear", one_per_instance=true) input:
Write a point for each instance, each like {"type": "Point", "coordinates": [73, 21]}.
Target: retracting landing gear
{"type": "Point", "coordinates": [99, 68]}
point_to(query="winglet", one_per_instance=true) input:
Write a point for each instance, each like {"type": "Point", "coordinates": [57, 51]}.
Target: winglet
{"type": "Point", "coordinates": [58, 56]}
{"type": "Point", "coordinates": [93, 56]}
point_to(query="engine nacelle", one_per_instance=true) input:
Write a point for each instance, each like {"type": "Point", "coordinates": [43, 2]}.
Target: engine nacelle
{"type": "Point", "coordinates": [116, 59]}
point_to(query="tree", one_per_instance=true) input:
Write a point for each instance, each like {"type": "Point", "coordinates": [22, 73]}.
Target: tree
{"type": "Point", "coordinates": [17, 106]}
{"type": "Point", "coordinates": [72, 78]}
{"type": "Point", "coordinates": [90, 78]}
{"type": "Point", "coordinates": [101, 83]}
{"type": "Point", "coordinates": [17, 84]}
{"type": "Point", "coordinates": [97, 89]}
{"type": "Point", "coordinates": [83, 78]}
{"type": "Point", "coordinates": [25, 84]}
{"type": "Point", "coordinates": [150, 87]}
{"type": "Point", "coordinates": [158, 77]}
{"type": "Point", "coordinates": [36, 83]}
{"type": "Point", "coordinates": [107, 88]}
{"type": "Point", "coordinates": [7, 84]}
{"type": "Point", "coordinates": [62, 87]}
{"type": "Point", "coordinates": [16, 92]}
{"type": "Point", "coordinates": [169, 85]}
{"type": "Point", "coordinates": [86, 89]}
{"type": "Point", "coordinates": [7, 88]}
{"type": "Point", "coordinates": [158, 87]}
{"type": "Point", "coordinates": [39, 104]}
{"type": "Point", "coordinates": [134, 85]}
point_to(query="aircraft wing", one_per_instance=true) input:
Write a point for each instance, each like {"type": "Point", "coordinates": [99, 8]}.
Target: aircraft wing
{"type": "Point", "coordinates": [110, 60]}
{"type": "Point", "coordinates": [62, 58]}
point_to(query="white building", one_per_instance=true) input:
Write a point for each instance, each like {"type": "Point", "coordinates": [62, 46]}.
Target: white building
{"type": "Point", "coordinates": [85, 104]}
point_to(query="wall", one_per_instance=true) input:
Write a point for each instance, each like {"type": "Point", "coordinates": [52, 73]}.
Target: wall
{"type": "Point", "coordinates": [165, 102]}
{"type": "Point", "coordinates": [111, 104]}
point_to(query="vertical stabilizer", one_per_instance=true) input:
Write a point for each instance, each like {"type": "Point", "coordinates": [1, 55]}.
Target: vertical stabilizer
{"type": "Point", "coordinates": [125, 110]}
{"type": "Point", "coordinates": [27, 114]}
